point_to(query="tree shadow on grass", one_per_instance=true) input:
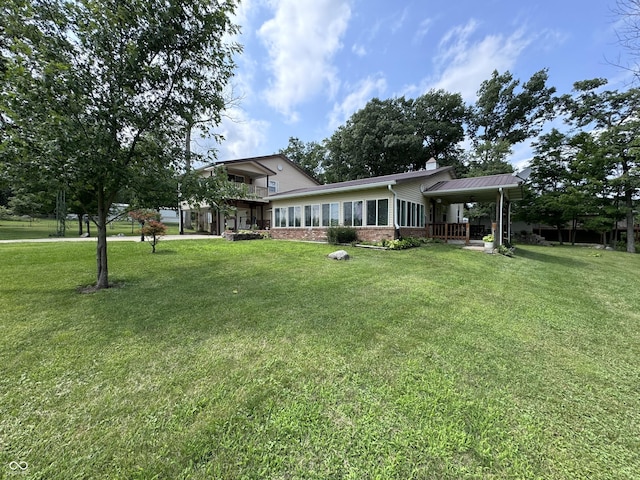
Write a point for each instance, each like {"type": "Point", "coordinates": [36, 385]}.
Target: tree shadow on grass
{"type": "Point", "coordinates": [550, 258]}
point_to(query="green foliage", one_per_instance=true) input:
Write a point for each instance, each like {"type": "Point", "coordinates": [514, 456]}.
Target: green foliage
{"type": "Point", "coordinates": [402, 243]}
{"type": "Point", "coordinates": [5, 213]}
{"type": "Point", "coordinates": [308, 156]}
{"type": "Point", "coordinates": [506, 250]}
{"type": "Point", "coordinates": [488, 238]}
{"type": "Point", "coordinates": [341, 235]}
{"type": "Point", "coordinates": [98, 93]}
{"type": "Point", "coordinates": [397, 135]}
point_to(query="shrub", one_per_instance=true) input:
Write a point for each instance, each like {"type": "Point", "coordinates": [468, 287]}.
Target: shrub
{"type": "Point", "coordinates": [402, 243]}
{"type": "Point", "coordinates": [336, 235]}
{"type": "Point", "coordinates": [5, 213]}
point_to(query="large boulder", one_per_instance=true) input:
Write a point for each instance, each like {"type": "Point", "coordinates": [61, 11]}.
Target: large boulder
{"type": "Point", "coordinates": [339, 255]}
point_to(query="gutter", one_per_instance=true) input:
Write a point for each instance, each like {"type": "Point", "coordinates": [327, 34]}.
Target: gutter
{"type": "Point", "coordinates": [501, 213]}
{"type": "Point", "coordinates": [396, 225]}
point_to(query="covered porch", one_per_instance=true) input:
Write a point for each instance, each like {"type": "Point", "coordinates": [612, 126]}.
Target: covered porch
{"type": "Point", "coordinates": [501, 189]}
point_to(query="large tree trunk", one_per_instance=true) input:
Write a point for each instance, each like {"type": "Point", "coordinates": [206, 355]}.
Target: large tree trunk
{"type": "Point", "coordinates": [101, 248]}
{"type": "Point", "coordinates": [186, 222]}
{"type": "Point", "coordinates": [559, 228]}
{"type": "Point", "coordinates": [631, 241]}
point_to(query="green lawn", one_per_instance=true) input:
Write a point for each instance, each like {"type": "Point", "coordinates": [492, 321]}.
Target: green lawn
{"type": "Point", "coordinates": [265, 359]}
{"type": "Point", "coordinates": [44, 228]}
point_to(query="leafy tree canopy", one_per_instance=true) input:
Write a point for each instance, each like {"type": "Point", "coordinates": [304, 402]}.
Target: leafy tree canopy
{"type": "Point", "coordinates": [87, 85]}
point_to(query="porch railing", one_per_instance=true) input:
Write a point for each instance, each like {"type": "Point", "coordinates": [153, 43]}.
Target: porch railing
{"type": "Point", "coordinates": [449, 231]}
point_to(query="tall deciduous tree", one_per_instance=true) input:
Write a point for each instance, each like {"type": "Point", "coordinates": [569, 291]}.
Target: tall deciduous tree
{"type": "Point", "coordinates": [86, 83]}
{"type": "Point", "coordinates": [439, 118]}
{"type": "Point", "coordinates": [506, 114]}
{"type": "Point", "coordinates": [308, 156]}
{"type": "Point", "coordinates": [613, 117]}
{"type": "Point", "coordinates": [376, 140]}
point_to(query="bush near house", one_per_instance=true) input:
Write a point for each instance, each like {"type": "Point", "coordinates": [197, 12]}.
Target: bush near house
{"type": "Point", "coordinates": [340, 235]}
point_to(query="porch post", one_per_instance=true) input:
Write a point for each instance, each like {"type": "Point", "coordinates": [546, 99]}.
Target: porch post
{"type": "Point", "coordinates": [467, 233]}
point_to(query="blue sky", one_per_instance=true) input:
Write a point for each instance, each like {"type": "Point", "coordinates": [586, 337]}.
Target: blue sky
{"type": "Point", "coordinates": [308, 65]}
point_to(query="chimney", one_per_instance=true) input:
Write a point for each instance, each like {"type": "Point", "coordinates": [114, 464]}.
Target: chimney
{"type": "Point", "coordinates": [431, 164]}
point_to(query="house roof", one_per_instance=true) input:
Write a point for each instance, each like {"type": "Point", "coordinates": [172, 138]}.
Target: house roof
{"type": "Point", "coordinates": [256, 163]}
{"type": "Point", "coordinates": [476, 188]}
{"type": "Point", "coordinates": [360, 184]}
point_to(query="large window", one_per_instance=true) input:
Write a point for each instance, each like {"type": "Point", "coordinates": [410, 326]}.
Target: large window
{"type": "Point", "coordinates": [383, 212]}
{"type": "Point", "coordinates": [378, 212]}
{"type": "Point", "coordinates": [352, 214]}
{"type": "Point", "coordinates": [295, 219]}
{"type": "Point", "coordinates": [312, 215]}
{"type": "Point", "coordinates": [410, 214]}
{"type": "Point", "coordinates": [330, 214]}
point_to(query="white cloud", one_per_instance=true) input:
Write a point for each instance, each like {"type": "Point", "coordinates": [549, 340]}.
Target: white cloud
{"type": "Point", "coordinates": [242, 136]}
{"type": "Point", "coordinates": [364, 91]}
{"type": "Point", "coordinates": [463, 62]}
{"type": "Point", "coordinates": [423, 29]}
{"type": "Point", "coordinates": [358, 50]}
{"type": "Point", "coordinates": [301, 40]}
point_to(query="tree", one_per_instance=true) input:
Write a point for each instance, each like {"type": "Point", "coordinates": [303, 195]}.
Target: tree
{"type": "Point", "coordinates": [505, 115]}
{"type": "Point", "coordinates": [308, 156]}
{"type": "Point", "coordinates": [86, 84]}
{"type": "Point", "coordinates": [553, 198]}
{"type": "Point", "coordinates": [438, 118]}
{"type": "Point", "coordinates": [154, 230]}
{"type": "Point", "coordinates": [612, 117]}
{"type": "Point", "coordinates": [377, 140]}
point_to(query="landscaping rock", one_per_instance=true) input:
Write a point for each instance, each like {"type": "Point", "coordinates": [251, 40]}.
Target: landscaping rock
{"type": "Point", "coordinates": [339, 255]}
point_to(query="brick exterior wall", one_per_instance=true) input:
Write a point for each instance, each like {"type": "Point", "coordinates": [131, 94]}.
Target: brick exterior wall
{"type": "Point", "coordinates": [415, 232]}
{"type": "Point", "coordinates": [369, 234]}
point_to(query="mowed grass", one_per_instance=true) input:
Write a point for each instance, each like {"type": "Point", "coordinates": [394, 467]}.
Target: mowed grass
{"type": "Point", "coordinates": [265, 359]}
{"type": "Point", "coordinates": [17, 229]}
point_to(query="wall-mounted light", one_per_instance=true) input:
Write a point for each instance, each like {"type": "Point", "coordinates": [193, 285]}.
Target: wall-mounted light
{"type": "Point", "coordinates": [438, 200]}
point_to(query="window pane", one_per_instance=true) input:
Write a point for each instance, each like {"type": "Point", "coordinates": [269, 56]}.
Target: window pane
{"type": "Point", "coordinates": [307, 215]}
{"type": "Point", "coordinates": [371, 212]}
{"type": "Point", "coordinates": [347, 213]}
{"type": "Point", "coordinates": [315, 215]}
{"type": "Point", "coordinates": [290, 217]}
{"type": "Point", "coordinates": [357, 213]}
{"type": "Point", "coordinates": [297, 214]}
{"type": "Point", "coordinates": [325, 214]}
{"type": "Point", "coordinates": [277, 217]}
{"type": "Point", "coordinates": [335, 214]}
{"type": "Point", "coordinates": [403, 214]}
{"type": "Point", "coordinates": [383, 212]}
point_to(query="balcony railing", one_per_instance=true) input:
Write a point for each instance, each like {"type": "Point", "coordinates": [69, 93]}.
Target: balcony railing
{"type": "Point", "coordinates": [255, 191]}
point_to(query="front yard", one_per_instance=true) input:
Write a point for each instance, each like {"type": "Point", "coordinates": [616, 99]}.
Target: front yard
{"type": "Point", "coordinates": [265, 359]}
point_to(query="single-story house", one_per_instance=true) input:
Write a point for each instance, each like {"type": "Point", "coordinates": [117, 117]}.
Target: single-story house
{"type": "Point", "coordinates": [423, 203]}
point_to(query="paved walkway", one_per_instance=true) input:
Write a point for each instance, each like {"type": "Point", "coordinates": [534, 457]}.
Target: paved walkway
{"type": "Point", "coordinates": [113, 238]}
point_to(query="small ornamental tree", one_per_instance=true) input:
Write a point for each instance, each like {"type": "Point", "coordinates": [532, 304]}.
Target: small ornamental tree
{"type": "Point", "coordinates": [143, 216]}
{"type": "Point", "coordinates": [154, 230]}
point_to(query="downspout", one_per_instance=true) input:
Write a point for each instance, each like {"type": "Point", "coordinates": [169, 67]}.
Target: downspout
{"type": "Point", "coordinates": [396, 225]}
{"type": "Point", "coordinates": [501, 215]}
